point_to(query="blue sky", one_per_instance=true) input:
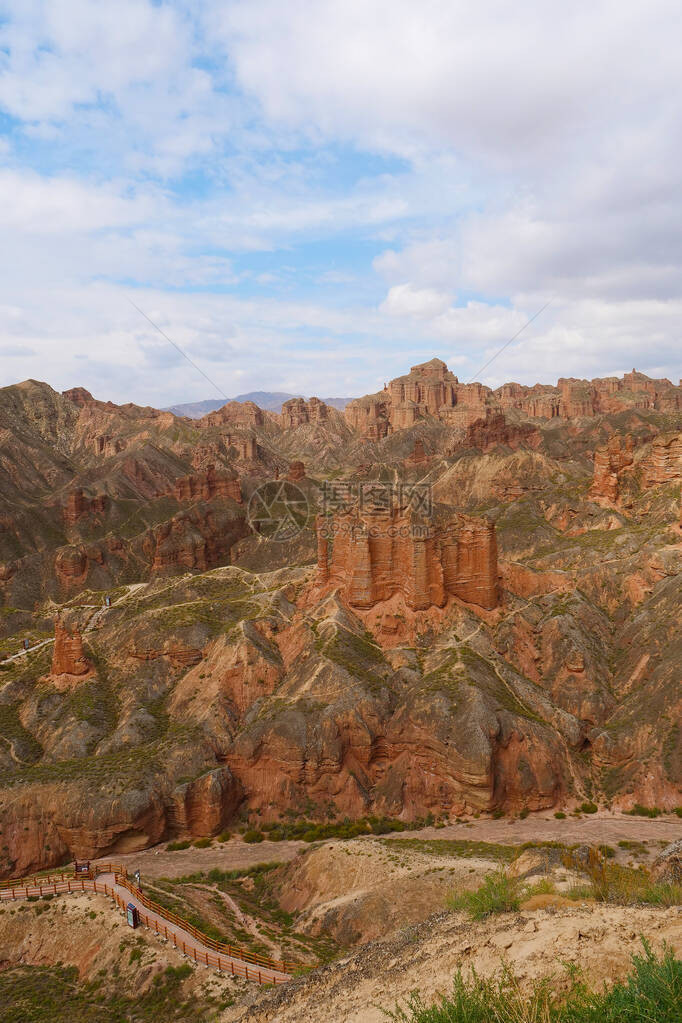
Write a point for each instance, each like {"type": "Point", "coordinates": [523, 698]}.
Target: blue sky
{"type": "Point", "coordinates": [314, 196]}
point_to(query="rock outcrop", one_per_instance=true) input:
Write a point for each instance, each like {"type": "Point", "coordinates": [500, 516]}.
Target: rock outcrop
{"type": "Point", "coordinates": [431, 391]}
{"type": "Point", "coordinates": [78, 506]}
{"type": "Point", "coordinates": [299, 412]}
{"type": "Point", "coordinates": [204, 486]}
{"type": "Point", "coordinates": [609, 461]}
{"type": "Point", "coordinates": [234, 413]}
{"type": "Point", "coordinates": [664, 464]}
{"type": "Point", "coordinates": [68, 657]}
{"type": "Point", "coordinates": [377, 553]}
{"type": "Point", "coordinates": [193, 540]}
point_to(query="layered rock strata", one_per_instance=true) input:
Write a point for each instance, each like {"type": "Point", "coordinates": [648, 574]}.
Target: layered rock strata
{"type": "Point", "coordinates": [299, 412]}
{"type": "Point", "coordinates": [431, 390]}
{"type": "Point", "coordinates": [609, 461]}
{"type": "Point", "coordinates": [376, 553]}
{"type": "Point", "coordinates": [206, 485]}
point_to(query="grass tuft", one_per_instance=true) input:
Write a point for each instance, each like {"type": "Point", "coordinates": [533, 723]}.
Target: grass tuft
{"type": "Point", "coordinates": [651, 993]}
{"type": "Point", "coordinates": [499, 893]}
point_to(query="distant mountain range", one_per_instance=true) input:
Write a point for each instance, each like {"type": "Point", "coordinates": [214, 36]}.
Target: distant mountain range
{"type": "Point", "coordinates": [271, 401]}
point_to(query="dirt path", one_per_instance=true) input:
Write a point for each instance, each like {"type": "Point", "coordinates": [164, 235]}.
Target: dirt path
{"type": "Point", "coordinates": [607, 829]}
{"type": "Point", "coordinates": [233, 855]}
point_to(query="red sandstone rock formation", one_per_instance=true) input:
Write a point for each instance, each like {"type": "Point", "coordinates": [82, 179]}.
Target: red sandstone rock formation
{"type": "Point", "coordinates": [71, 567]}
{"type": "Point", "coordinates": [194, 540]}
{"type": "Point", "coordinates": [431, 390]}
{"type": "Point", "coordinates": [206, 485]}
{"type": "Point", "coordinates": [609, 461]}
{"type": "Point", "coordinates": [378, 553]}
{"type": "Point", "coordinates": [78, 506]}
{"type": "Point", "coordinates": [369, 416]}
{"type": "Point", "coordinates": [299, 412]}
{"type": "Point", "coordinates": [664, 464]}
{"type": "Point", "coordinates": [234, 413]}
{"type": "Point", "coordinates": [296, 471]}
{"type": "Point", "coordinates": [79, 396]}
{"type": "Point", "coordinates": [494, 429]}
{"type": "Point", "coordinates": [68, 657]}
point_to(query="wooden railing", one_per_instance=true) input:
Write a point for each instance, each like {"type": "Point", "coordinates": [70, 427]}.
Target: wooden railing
{"type": "Point", "coordinates": [221, 955]}
{"type": "Point", "coordinates": [38, 878]}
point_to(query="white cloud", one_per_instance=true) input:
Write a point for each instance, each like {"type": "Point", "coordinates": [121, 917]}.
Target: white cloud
{"type": "Point", "coordinates": [417, 303]}
{"type": "Point", "coordinates": [539, 156]}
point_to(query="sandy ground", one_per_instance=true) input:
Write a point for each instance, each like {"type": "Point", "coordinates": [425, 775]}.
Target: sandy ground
{"type": "Point", "coordinates": [599, 939]}
{"type": "Point", "coordinates": [232, 855]}
{"type": "Point", "coordinates": [600, 828]}
{"type": "Point", "coordinates": [608, 829]}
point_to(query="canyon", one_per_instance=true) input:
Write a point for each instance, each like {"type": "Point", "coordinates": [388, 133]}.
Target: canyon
{"type": "Point", "coordinates": [507, 643]}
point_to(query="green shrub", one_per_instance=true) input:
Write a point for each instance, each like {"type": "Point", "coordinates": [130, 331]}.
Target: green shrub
{"type": "Point", "coordinates": [652, 993]}
{"type": "Point", "coordinates": [678, 811]}
{"type": "Point", "coordinates": [560, 815]}
{"type": "Point", "coordinates": [644, 811]}
{"type": "Point", "coordinates": [203, 843]}
{"type": "Point", "coordinates": [175, 846]}
{"type": "Point", "coordinates": [224, 836]}
{"type": "Point", "coordinates": [588, 807]}
{"type": "Point", "coordinates": [252, 835]}
{"type": "Point", "coordinates": [499, 893]}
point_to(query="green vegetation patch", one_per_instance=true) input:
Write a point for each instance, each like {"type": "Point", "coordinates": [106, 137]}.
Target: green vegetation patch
{"type": "Point", "coordinates": [652, 993]}
{"type": "Point", "coordinates": [36, 994]}
{"type": "Point", "coordinates": [26, 749]}
{"type": "Point", "coordinates": [499, 893]}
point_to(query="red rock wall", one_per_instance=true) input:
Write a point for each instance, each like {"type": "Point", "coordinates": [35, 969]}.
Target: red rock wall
{"type": "Point", "coordinates": [609, 461]}
{"type": "Point", "coordinates": [378, 554]}
{"type": "Point", "coordinates": [664, 464]}
{"type": "Point", "coordinates": [206, 485]}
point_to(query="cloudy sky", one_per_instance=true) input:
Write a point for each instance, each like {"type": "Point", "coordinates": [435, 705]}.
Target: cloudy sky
{"type": "Point", "coordinates": [313, 195]}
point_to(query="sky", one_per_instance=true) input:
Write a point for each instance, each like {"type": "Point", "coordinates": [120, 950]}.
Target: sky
{"type": "Point", "coordinates": [314, 195]}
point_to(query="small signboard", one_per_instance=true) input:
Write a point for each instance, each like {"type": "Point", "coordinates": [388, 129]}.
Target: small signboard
{"type": "Point", "coordinates": [27, 644]}
{"type": "Point", "coordinates": [132, 915]}
{"type": "Point", "coordinates": [82, 867]}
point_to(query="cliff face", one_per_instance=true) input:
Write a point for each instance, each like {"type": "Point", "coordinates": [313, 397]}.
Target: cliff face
{"type": "Point", "coordinates": [196, 540]}
{"type": "Point", "coordinates": [206, 485]}
{"type": "Point", "coordinates": [376, 554]}
{"type": "Point", "coordinates": [664, 464]}
{"type": "Point", "coordinates": [609, 461]}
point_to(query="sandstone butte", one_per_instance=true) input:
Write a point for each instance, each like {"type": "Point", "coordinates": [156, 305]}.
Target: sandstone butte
{"type": "Point", "coordinates": [376, 553]}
